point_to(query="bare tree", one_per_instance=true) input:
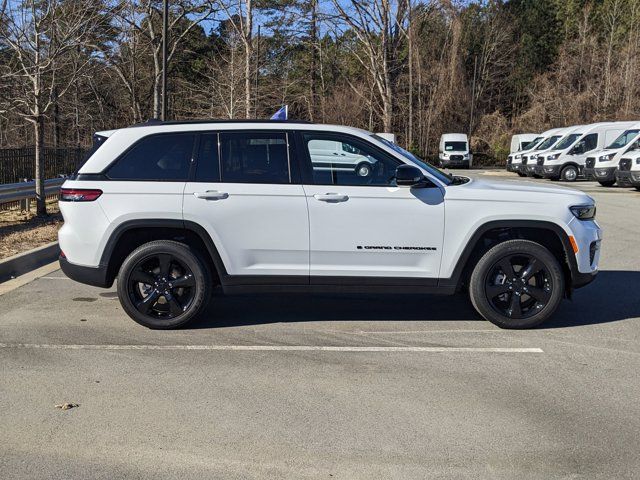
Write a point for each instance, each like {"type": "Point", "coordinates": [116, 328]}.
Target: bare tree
{"type": "Point", "coordinates": [40, 37]}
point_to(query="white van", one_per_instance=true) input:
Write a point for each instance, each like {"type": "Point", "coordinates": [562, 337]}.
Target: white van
{"type": "Point", "coordinates": [566, 162]}
{"type": "Point", "coordinates": [522, 141]}
{"type": "Point", "coordinates": [454, 150]}
{"type": "Point", "coordinates": [530, 159]}
{"type": "Point", "coordinates": [628, 172]}
{"type": "Point", "coordinates": [514, 160]}
{"type": "Point", "coordinates": [602, 164]}
{"type": "Point", "coordinates": [330, 155]}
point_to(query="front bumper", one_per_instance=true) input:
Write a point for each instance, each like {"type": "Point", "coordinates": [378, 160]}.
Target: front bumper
{"type": "Point", "coordinates": [628, 178]}
{"type": "Point", "coordinates": [95, 276]}
{"type": "Point", "coordinates": [455, 163]}
{"type": "Point", "coordinates": [588, 237]}
{"type": "Point", "coordinates": [531, 170]}
{"type": "Point", "coordinates": [550, 171]}
{"type": "Point", "coordinates": [601, 174]}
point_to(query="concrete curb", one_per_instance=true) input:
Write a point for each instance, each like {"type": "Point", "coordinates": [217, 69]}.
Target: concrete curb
{"type": "Point", "coordinates": [27, 261]}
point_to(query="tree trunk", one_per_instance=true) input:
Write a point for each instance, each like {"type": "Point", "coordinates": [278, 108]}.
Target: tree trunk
{"type": "Point", "coordinates": [41, 205]}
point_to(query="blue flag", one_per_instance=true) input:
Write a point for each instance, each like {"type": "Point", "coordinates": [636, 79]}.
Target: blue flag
{"type": "Point", "coordinates": [281, 114]}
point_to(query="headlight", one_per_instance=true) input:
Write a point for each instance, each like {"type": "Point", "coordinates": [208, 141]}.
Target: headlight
{"type": "Point", "coordinates": [637, 161]}
{"type": "Point", "coordinates": [444, 155]}
{"type": "Point", "coordinates": [518, 155]}
{"type": "Point", "coordinates": [553, 157]}
{"type": "Point", "coordinates": [606, 158]}
{"type": "Point", "coordinates": [466, 155]}
{"type": "Point", "coordinates": [583, 212]}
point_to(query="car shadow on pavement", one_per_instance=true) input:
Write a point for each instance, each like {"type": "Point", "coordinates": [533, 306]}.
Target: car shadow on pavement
{"type": "Point", "coordinates": [614, 295]}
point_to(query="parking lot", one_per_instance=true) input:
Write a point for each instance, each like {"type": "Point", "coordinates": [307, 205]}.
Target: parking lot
{"type": "Point", "coordinates": [349, 387]}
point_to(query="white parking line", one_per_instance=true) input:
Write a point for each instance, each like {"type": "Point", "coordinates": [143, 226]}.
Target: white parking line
{"type": "Point", "coordinates": [269, 348]}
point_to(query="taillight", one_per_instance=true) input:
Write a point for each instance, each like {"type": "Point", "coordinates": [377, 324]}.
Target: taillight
{"type": "Point", "coordinates": [79, 194]}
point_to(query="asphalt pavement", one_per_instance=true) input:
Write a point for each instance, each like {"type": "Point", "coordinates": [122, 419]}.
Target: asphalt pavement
{"type": "Point", "coordinates": [344, 387]}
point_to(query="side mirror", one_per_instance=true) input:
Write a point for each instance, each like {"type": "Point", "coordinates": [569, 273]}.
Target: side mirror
{"type": "Point", "coordinates": [410, 176]}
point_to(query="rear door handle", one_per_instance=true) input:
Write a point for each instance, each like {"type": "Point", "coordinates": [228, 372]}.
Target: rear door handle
{"type": "Point", "coordinates": [331, 197]}
{"type": "Point", "coordinates": [211, 195]}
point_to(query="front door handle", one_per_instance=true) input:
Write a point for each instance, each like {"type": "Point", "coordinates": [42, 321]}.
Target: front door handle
{"type": "Point", "coordinates": [331, 197]}
{"type": "Point", "coordinates": [211, 195]}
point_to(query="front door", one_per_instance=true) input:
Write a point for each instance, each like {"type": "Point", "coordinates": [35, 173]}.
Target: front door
{"type": "Point", "coordinates": [366, 226]}
{"type": "Point", "coordinates": [244, 194]}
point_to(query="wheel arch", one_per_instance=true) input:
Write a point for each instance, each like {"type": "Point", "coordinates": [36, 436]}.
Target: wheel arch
{"type": "Point", "coordinates": [548, 234]}
{"type": "Point", "coordinates": [131, 234]}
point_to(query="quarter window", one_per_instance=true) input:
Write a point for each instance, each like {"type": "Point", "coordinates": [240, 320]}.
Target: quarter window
{"type": "Point", "coordinates": [157, 157]}
{"type": "Point", "coordinates": [338, 161]}
{"type": "Point", "coordinates": [254, 157]}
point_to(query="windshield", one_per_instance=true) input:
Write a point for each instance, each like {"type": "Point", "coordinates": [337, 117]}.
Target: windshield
{"type": "Point", "coordinates": [440, 175]}
{"type": "Point", "coordinates": [531, 144]}
{"type": "Point", "coordinates": [455, 146]}
{"type": "Point", "coordinates": [567, 141]}
{"type": "Point", "coordinates": [548, 143]}
{"type": "Point", "coordinates": [623, 139]}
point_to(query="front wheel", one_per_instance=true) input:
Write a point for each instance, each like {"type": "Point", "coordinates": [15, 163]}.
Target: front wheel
{"type": "Point", "coordinates": [520, 174]}
{"type": "Point", "coordinates": [517, 284]}
{"type": "Point", "coordinates": [163, 284]}
{"type": "Point", "coordinates": [569, 173]}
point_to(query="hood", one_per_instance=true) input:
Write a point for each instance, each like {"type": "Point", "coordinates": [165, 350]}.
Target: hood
{"type": "Point", "coordinates": [519, 191]}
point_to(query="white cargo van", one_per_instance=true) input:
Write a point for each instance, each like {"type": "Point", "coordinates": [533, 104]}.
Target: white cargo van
{"type": "Point", "coordinates": [566, 162]}
{"type": "Point", "coordinates": [514, 160]}
{"type": "Point", "coordinates": [522, 141]}
{"type": "Point", "coordinates": [330, 155]}
{"type": "Point", "coordinates": [602, 164]}
{"type": "Point", "coordinates": [454, 150]}
{"type": "Point", "coordinates": [628, 172]}
{"type": "Point", "coordinates": [530, 160]}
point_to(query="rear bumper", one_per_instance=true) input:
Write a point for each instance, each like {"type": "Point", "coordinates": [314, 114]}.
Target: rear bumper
{"type": "Point", "coordinates": [95, 276]}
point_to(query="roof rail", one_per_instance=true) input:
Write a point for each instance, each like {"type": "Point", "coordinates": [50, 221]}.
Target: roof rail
{"type": "Point", "coordinates": [156, 121]}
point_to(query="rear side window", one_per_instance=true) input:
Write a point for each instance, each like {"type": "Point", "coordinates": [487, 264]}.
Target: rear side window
{"type": "Point", "coordinates": [165, 157]}
{"type": "Point", "coordinates": [253, 157]}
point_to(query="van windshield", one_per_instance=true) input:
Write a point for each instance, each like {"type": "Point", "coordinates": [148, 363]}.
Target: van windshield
{"type": "Point", "coordinates": [531, 144]}
{"type": "Point", "coordinates": [440, 175]}
{"type": "Point", "coordinates": [455, 146]}
{"type": "Point", "coordinates": [623, 139]}
{"type": "Point", "coordinates": [548, 143]}
{"type": "Point", "coordinates": [567, 141]}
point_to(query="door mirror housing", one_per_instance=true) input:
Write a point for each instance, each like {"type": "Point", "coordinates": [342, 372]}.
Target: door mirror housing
{"type": "Point", "coordinates": [410, 176]}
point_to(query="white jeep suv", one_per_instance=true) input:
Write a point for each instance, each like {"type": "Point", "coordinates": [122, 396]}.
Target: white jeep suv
{"type": "Point", "coordinates": [173, 209]}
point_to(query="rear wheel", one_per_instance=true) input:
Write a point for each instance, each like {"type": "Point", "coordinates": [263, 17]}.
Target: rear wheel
{"type": "Point", "coordinates": [163, 284]}
{"type": "Point", "coordinates": [608, 183]}
{"type": "Point", "coordinates": [569, 173]}
{"type": "Point", "coordinates": [517, 284]}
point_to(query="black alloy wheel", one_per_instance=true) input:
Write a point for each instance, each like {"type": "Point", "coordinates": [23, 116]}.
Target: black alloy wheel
{"type": "Point", "coordinates": [517, 284]}
{"type": "Point", "coordinates": [163, 284]}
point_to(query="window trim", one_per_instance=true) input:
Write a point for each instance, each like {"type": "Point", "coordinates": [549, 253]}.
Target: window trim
{"type": "Point", "coordinates": [294, 177]}
{"type": "Point", "coordinates": [195, 143]}
{"type": "Point", "coordinates": [305, 157]}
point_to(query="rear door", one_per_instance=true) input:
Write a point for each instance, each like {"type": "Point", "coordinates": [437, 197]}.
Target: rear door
{"type": "Point", "coordinates": [366, 226]}
{"type": "Point", "coordinates": [244, 191]}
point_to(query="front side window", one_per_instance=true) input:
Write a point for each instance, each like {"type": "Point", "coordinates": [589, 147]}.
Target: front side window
{"type": "Point", "coordinates": [157, 157]}
{"type": "Point", "coordinates": [254, 157]}
{"type": "Point", "coordinates": [338, 161]}
{"type": "Point", "coordinates": [590, 142]}
{"type": "Point", "coordinates": [623, 139]}
{"type": "Point", "coordinates": [531, 144]}
{"type": "Point", "coordinates": [455, 146]}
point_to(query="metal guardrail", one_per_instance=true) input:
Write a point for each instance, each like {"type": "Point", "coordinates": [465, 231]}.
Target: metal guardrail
{"type": "Point", "coordinates": [12, 192]}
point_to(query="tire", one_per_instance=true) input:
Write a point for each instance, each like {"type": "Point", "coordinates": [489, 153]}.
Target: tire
{"type": "Point", "coordinates": [637, 188]}
{"type": "Point", "coordinates": [520, 174]}
{"type": "Point", "coordinates": [608, 183]}
{"type": "Point", "coordinates": [147, 284]}
{"type": "Point", "coordinates": [363, 169]}
{"type": "Point", "coordinates": [508, 304]}
{"type": "Point", "coordinates": [569, 173]}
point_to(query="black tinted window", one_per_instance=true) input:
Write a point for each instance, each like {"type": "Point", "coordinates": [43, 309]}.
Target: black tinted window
{"type": "Point", "coordinates": [590, 142]}
{"type": "Point", "coordinates": [338, 161]}
{"type": "Point", "coordinates": [157, 157]}
{"type": "Point", "coordinates": [208, 169]}
{"type": "Point", "coordinates": [254, 157]}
